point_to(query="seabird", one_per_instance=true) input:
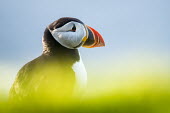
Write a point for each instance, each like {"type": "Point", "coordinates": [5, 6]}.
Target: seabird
{"type": "Point", "coordinates": [59, 71]}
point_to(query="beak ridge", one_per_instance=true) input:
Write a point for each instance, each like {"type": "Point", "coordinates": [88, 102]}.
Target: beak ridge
{"type": "Point", "coordinates": [94, 39]}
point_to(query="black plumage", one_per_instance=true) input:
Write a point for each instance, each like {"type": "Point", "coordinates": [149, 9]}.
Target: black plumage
{"type": "Point", "coordinates": [49, 73]}
{"type": "Point", "coordinates": [53, 74]}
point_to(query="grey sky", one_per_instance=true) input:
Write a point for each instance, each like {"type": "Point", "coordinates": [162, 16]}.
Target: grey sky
{"type": "Point", "coordinates": [125, 24]}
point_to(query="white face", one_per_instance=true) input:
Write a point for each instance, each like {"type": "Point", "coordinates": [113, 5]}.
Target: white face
{"type": "Point", "coordinates": [70, 35]}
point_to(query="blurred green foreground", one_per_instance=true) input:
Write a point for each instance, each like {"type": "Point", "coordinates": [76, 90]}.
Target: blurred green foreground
{"type": "Point", "coordinates": [142, 95]}
{"type": "Point", "coordinates": [123, 90]}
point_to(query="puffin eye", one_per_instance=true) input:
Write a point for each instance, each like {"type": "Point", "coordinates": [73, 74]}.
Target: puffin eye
{"type": "Point", "coordinates": [73, 28]}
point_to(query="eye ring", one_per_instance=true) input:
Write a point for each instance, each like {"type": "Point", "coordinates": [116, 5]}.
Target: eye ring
{"type": "Point", "coordinates": [73, 28]}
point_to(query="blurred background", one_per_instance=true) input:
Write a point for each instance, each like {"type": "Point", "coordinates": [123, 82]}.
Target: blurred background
{"type": "Point", "coordinates": [136, 33]}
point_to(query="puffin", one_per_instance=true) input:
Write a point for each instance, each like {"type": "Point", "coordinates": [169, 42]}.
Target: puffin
{"type": "Point", "coordinates": [59, 71]}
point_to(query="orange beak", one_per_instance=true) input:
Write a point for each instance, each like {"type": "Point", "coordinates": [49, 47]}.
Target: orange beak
{"type": "Point", "coordinates": [94, 39]}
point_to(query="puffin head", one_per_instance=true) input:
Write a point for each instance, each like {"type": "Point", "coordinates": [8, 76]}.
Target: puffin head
{"type": "Point", "coordinates": [73, 33]}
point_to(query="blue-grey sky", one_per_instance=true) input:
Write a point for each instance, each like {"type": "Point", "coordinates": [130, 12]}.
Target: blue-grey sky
{"type": "Point", "coordinates": [131, 29]}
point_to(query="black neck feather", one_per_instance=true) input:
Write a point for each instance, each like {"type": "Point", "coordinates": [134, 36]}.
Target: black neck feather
{"type": "Point", "coordinates": [53, 48]}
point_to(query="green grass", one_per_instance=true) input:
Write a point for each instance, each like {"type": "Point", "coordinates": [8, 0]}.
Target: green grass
{"type": "Point", "coordinates": [119, 103]}
{"type": "Point", "coordinates": [134, 87]}
{"type": "Point", "coordinates": [138, 97]}
{"type": "Point", "coordinates": [133, 93]}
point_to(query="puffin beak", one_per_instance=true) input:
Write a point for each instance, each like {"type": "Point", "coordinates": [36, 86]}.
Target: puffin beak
{"type": "Point", "coordinates": [94, 39]}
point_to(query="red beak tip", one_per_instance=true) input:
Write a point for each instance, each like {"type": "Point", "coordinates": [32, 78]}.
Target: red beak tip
{"type": "Point", "coordinates": [99, 41]}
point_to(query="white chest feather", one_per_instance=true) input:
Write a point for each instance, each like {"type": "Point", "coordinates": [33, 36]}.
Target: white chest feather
{"type": "Point", "coordinates": [81, 74]}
